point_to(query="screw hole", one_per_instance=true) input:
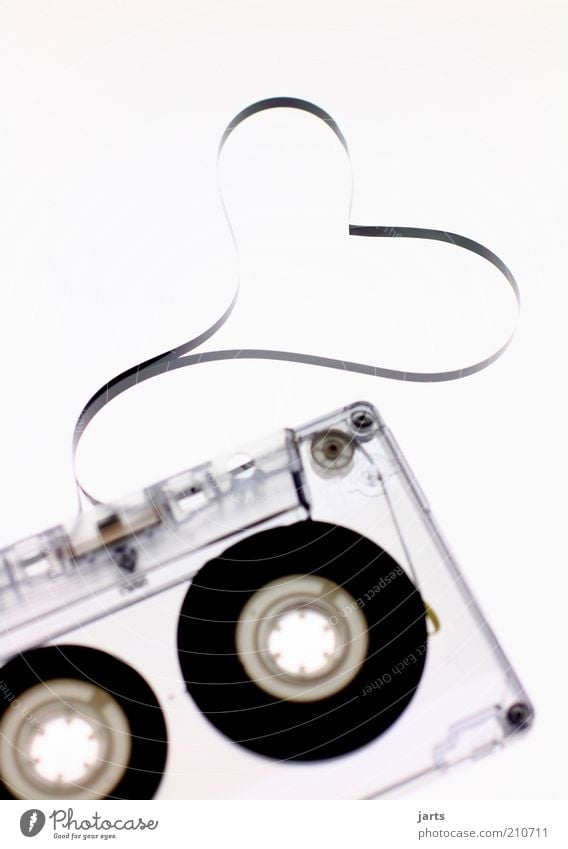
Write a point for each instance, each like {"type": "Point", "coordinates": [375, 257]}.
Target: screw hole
{"type": "Point", "coordinates": [519, 715]}
{"type": "Point", "coordinates": [361, 422]}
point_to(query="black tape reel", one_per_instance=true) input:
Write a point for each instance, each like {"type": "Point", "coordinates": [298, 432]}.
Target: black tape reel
{"type": "Point", "coordinates": [302, 642]}
{"type": "Point", "coordinates": [77, 723]}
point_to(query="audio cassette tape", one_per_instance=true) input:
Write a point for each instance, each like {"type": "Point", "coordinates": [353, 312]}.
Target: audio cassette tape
{"type": "Point", "coordinates": [283, 622]}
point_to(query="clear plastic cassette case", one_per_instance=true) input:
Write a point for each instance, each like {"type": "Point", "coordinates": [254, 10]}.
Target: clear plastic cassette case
{"type": "Point", "coordinates": [285, 622]}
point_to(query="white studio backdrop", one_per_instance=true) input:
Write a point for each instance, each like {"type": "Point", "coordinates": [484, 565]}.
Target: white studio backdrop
{"type": "Point", "coordinates": [115, 248]}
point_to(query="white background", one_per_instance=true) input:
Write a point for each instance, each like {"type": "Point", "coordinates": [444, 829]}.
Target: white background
{"type": "Point", "coordinates": [114, 249]}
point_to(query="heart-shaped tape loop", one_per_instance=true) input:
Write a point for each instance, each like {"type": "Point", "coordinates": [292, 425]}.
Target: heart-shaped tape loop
{"type": "Point", "coordinates": [179, 357]}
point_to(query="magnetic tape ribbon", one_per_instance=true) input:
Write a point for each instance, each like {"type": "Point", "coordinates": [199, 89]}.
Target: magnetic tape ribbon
{"type": "Point", "coordinates": [177, 357]}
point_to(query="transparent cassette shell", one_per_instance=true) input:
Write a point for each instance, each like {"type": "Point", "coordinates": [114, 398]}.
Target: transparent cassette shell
{"type": "Point", "coordinates": [116, 554]}
{"type": "Point", "coordinates": [69, 583]}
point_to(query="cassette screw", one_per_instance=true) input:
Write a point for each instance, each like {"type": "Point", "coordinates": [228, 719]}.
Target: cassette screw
{"type": "Point", "coordinates": [362, 424]}
{"type": "Point", "coordinates": [519, 715]}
